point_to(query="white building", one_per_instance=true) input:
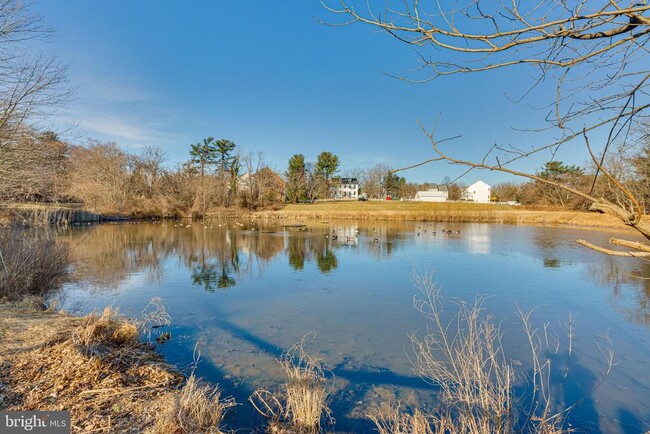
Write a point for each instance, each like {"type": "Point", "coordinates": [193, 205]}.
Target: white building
{"type": "Point", "coordinates": [436, 194]}
{"type": "Point", "coordinates": [345, 188]}
{"type": "Point", "coordinates": [478, 192]}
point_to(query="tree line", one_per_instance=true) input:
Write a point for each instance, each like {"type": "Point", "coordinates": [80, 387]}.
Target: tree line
{"type": "Point", "coordinates": [108, 179]}
{"type": "Point", "coordinates": [308, 181]}
{"type": "Point", "coordinates": [629, 165]}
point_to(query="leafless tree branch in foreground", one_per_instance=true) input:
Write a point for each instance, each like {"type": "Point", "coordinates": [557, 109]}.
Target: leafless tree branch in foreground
{"type": "Point", "coordinates": [593, 51]}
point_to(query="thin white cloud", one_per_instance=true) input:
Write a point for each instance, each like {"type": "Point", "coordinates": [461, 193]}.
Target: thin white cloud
{"type": "Point", "coordinates": [108, 91]}
{"type": "Point", "coordinates": [117, 128]}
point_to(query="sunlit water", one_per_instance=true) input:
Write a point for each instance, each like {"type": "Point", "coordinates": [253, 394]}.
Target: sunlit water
{"type": "Point", "coordinates": [241, 293]}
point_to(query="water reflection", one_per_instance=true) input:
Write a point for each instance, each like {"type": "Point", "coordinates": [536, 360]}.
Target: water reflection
{"type": "Point", "coordinates": [249, 291]}
{"type": "Point", "coordinates": [479, 240]}
{"type": "Point", "coordinates": [326, 260]}
{"type": "Point", "coordinates": [549, 244]}
{"type": "Point", "coordinates": [105, 256]}
{"type": "Point", "coordinates": [630, 287]}
{"type": "Point", "coordinates": [297, 250]}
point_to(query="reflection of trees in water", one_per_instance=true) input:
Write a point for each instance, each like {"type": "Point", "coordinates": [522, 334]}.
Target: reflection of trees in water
{"type": "Point", "coordinates": [302, 247]}
{"type": "Point", "coordinates": [551, 262]}
{"type": "Point", "coordinates": [381, 241]}
{"type": "Point", "coordinates": [298, 251]}
{"type": "Point", "coordinates": [320, 243]}
{"type": "Point", "coordinates": [327, 261]}
{"type": "Point", "coordinates": [106, 255]}
{"type": "Point", "coordinates": [204, 266]}
{"type": "Point", "coordinates": [630, 283]}
{"type": "Point", "coordinates": [545, 238]}
{"type": "Point", "coordinates": [629, 279]}
{"type": "Point", "coordinates": [548, 243]}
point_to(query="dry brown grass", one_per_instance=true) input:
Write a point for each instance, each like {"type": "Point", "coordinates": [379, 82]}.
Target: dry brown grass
{"type": "Point", "coordinates": [96, 368]}
{"type": "Point", "coordinates": [154, 317]}
{"type": "Point", "coordinates": [399, 422]}
{"type": "Point", "coordinates": [195, 409]}
{"type": "Point", "coordinates": [300, 405]}
{"type": "Point", "coordinates": [442, 212]}
{"type": "Point", "coordinates": [465, 358]}
{"type": "Point", "coordinates": [29, 265]}
{"type": "Point", "coordinates": [107, 328]}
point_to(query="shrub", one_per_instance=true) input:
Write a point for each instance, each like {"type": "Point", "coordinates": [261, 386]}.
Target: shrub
{"type": "Point", "coordinates": [465, 358]}
{"type": "Point", "coordinates": [29, 265]}
{"type": "Point", "coordinates": [301, 403]}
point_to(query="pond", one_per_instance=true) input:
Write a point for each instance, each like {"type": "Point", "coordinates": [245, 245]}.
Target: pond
{"type": "Point", "coordinates": [242, 292]}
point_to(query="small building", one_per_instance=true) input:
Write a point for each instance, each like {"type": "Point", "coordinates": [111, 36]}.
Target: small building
{"type": "Point", "coordinates": [438, 193]}
{"type": "Point", "coordinates": [479, 192]}
{"type": "Point", "coordinates": [345, 188]}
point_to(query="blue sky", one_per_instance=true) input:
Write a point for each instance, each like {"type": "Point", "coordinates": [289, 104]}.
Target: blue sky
{"type": "Point", "coordinates": [270, 77]}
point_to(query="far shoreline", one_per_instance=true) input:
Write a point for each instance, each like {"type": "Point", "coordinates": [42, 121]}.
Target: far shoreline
{"type": "Point", "coordinates": [435, 212]}
{"type": "Point", "coordinates": [447, 212]}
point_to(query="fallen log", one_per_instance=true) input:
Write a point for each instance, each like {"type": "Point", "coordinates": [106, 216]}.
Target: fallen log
{"type": "Point", "coordinates": [613, 252]}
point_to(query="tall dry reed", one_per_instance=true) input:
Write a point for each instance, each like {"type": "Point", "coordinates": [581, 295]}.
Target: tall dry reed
{"type": "Point", "coordinates": [301, 404]}
{"type": "Point", "coordinates": [464, 357]}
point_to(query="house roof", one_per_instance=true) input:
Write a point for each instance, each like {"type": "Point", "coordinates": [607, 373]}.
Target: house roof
{"type": "Point", "coordinates": [479, 182]}
{"type": "Point", "coordinates": [265, 174]}
{"type": "Point", "coordinates": [345, 180]}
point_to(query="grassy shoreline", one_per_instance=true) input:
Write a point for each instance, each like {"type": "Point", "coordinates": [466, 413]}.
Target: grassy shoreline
{"type": "Point", "coordinates": [443, 212]}
{"type": "Point", "coordinates": [458, 212]}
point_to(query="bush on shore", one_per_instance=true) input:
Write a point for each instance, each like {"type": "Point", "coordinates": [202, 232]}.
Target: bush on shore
{"type": "Point", "coordinates": [29, 265]}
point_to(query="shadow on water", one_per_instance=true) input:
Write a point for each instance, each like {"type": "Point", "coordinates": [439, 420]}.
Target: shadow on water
{"type": "Point", "coordinates": [572, 386]}
{"type": "Point", "coordinates": [361, 381]}
{"type": "Point", "coordinates": [630, 424]}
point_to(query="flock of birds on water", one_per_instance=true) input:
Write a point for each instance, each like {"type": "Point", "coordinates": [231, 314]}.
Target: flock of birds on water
{"type": "Point", "coordinates": [429, 228]}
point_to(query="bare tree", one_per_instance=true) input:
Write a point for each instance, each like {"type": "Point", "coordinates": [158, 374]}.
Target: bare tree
{"type": "Point", "coordinates": [251, 186]}
{"type": "Point", "coordinates": [100, 177]}
{"type": "Point", "coordinates": [31, 83]}
{"type": "Point", "coordinates": [31, 86]}
{"type": "Point", "coordinates": [372, 185]}
{"type": "Point", "coordinates": [593, 51]}
{"type": "Point", "coordinates": [316, 185]}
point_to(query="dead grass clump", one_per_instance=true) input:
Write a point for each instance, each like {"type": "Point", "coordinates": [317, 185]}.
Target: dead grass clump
{"type": "Point", "coordinates": [93, 366]}
{"type": "Point", "coordinates": [154, 319]}
{"type": "Point", "coordinates": [300, 405]}
{"type": "Point", "coordinates": [29, 265]}
{"type": "Point", "coordinates": [105, 330]}
{"type": "Point", "coordinates": [465, 358]}
{"type": "Point", "coordinates": [96, 367]}
{"type": "Point", "coordinates": [195, 409]}
{"type": "Point", "coordinates": [399, 422]}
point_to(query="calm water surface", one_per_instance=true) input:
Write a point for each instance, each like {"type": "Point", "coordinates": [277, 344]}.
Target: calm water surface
{"type": "Point", "coordinates": [244, 292]}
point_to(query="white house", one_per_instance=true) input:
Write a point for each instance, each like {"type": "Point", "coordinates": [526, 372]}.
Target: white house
{"type": "Point", "coordinates": [436, 194]}
{"type": "Point", "coordinates": [478, 192]}
{"type": "Point", "coordinates": [345, 188]}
